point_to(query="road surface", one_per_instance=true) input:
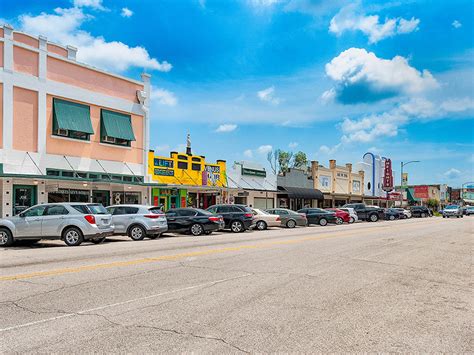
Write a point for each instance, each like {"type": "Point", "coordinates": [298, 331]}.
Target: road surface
{"type": "Point", "coordinates": [403, 286]}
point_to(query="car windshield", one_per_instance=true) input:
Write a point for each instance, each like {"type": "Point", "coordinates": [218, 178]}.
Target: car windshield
{"type": "Point", "coordinates": [203, 212]}
{"type": "Point", "coordinates": [452, 207]}
{"type": "Point", "coordinates": [97, 209]}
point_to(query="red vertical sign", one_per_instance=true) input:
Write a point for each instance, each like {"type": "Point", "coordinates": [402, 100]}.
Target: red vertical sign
{"type": "Point", "coordinates": [388, 176]}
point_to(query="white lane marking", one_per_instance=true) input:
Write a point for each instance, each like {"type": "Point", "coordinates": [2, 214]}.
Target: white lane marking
{"type": "Point", "coordinates": [121, 303]}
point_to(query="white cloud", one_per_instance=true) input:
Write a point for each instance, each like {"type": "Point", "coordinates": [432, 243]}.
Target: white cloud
{"type": "Point", "coordinates": [63, 26]}
{"type": "Point", "coordinates": [268, 95]}
{"type": "Point", "coordinates": [458, 105]}
{"type": "Point", "coordinates": [293, 145]}
{"type": "Point", "coordinates": [263, 3]}
{"type": "Point", "coordinates": [225, 128]}
{"type": "Point", "coordinates": [324, 149]}
{"type": "Point", "coordinates": [163, 149]}
{"type": "Point", "coordinates": [352, 18]}
{"type": "Point", "coordinates": [126, 12]}
{"type": "Point", "coordinates": [456, 24]}
{"type": "Point", "coordinates": [163, 97]}
{"type": "Point", "coordinates": [248, 153]}
{"type": "Point", "coordinates": [95, 4]}
{"type": "Point", "coordinates": [264, 149]}
{"type": "Point", "coordinates": [363, 77]}
{"type": "Point", "coordinates": [452, 173]}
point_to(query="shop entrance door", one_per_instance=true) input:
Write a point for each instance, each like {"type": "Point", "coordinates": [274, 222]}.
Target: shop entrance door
{"type": "Point", "coordinates": [24, 196]}
{"type": "Point", "coordinates": [100, 196]}
{"type": "Point", "coordinates": [163, 202]}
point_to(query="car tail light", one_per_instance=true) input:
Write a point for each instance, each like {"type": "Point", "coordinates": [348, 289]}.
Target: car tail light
{"type": "Point", "coordinates": [214, 219]}
{"type": "Point", "coordinates": [278, 219]}
{"type": "Point", "coordinates": [248, 215]}
{"type": "Point", "coordinates": [153, 216]}
{"type": "Point", "coordinates": [90, 218]}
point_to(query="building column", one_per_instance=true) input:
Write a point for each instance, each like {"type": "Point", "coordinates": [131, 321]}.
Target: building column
{"type": "Point", "coordinates": [42, 70]}
{"type": "Point", "coordinates": [7, 88]}
{"type": "Point", "coordinates": [7, 197]}
{"type": "Point", "coordinates": [146, 78]}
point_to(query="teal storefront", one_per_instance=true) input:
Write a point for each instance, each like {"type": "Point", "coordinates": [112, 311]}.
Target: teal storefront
{"type": "Point", "coordinates": [169, 197]}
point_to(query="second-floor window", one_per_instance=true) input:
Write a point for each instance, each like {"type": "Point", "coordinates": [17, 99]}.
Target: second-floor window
{"type": "Point", "coordinates": [71, 120]}
{"type": "Point", "coordinates": [116, 128]}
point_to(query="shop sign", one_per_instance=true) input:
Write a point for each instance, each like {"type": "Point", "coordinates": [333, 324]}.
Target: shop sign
{"type": "Point", "coordinates": [52, 188]}
{"type": "Point", "coordinates": [254, 172]}
{"type": "Point", "coordinates": [164, 172]}
{"type": "Point", "coordinates": [405, 179]}
{"type": "Point", "coordinates": [421, 192]}
{"type": "Point", "coordinates": [163, 163]}
{"type": "Point", "coordinates": [468, 195]}
{"type": "Point", "coordinates": [213, 174]}
{"type": "Point", "coordinates": [394, 196]}
{"type": "Point", "coordinates": [342, 175]}
{"type": "Point", "coordinates": [73, 192]}
{"type": "Point", "coordinates": [388, 176]}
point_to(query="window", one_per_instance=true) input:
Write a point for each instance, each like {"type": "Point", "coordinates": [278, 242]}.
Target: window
{"type": "Point", "coordinates": [71, 119]}
{"type": "Point", "coordinates": [196, 167]}
{"type": "Point", "coordinates": [186, 213]}
{"type": "Point", "coordinates": [224, 209]}
{"type": "Point", "coordinates": [183, 157]}
{"type": "Point", "coordinates": [67, 173]}
{"type": "Point", "coordinates": [196, 159]}
{"type": "Point", "coordinates": [81, 208]}
{"type": "Point", "coordinates": [34, 211]}
{"type": "Point", "coordinates": [182, 165]}
{"type": "Point", "coordinates": [120, 210]}
{"type": "Point", "coordinates": [97, 208]}
{"type": "Point", "coordinates": [171, 213]}
{"type": "Point", "coordinates": [56, 211]}
{"type": "Point", "coordinates": [53, 172]}
{"type": "Point", "coordinates": [368, 186]}
{"type": "Point", "coordinates": [212, 209]}
{"type": "Point", "coordinates": [324, 180]}
{"type": "Point", "coordinates": [116, 128]}
{"type": "Point", "coordinates": [93, 176]}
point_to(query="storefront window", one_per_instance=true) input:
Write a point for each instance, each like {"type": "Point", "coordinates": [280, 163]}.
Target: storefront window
{"type": "Point", "coordinates": [120, 197]}
{"type": "Point", "coordinates": [68, 195]}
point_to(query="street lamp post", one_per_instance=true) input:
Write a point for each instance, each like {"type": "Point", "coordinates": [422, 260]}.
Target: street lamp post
{"type": "Point", "coordinates": [402, 164]}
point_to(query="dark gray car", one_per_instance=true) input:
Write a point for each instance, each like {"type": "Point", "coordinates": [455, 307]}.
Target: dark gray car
{"type": "Point", "coordinates": [289, 218]}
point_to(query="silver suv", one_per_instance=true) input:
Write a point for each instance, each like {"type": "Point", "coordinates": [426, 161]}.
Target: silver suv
{"type": "Point", "coordinates": [452, 210]}
{"type": "Point", "coordinates": [71, 222]}
{"type": "Point", "coordinates": [138, 221]}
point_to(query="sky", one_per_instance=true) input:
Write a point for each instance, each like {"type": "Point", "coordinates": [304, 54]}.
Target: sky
{"type": "Point", "coordinates": [334, 79]}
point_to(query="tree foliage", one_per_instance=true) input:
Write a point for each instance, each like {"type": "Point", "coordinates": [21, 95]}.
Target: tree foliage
{"type": "Point", "coordinates": [300, 160]}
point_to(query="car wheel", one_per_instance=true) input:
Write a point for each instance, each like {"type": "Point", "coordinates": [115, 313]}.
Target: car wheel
{"type": "Point", "coordinates": [339, 220]}
{"type": "Point", "coordinates": [323, 222]}
{"type": "Point", "coordinates": [261, 225]}
{"type": "Point", "coordinates": [97, 240]}
{"type": "Point", "coordinates": [6, 237]}
{"type": "Point", "coordinates": [196, 229]}
{"type": "Point", "coordinates": [237, 227]}
{"type": "Point", "coordinates": [351, 220]}
{"type": "Point", "coordinates": [291, 224]}
{"type": "Point", "coordinates": [136, 233]}
{"type": "Point", "coordinates": [423, 215]}
{"type": "Point", "coordinates": [73, 237]}
{"type": "Point", "coordinates": [373, 218]}
{"type": "Point", "coordinates": [391, 218]}
{"type": "Point", "coordinates": [154, 236]}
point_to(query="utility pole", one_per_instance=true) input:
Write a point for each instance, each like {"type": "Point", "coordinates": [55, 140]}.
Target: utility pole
{"type": "Point", "coordinates": [402, 164]}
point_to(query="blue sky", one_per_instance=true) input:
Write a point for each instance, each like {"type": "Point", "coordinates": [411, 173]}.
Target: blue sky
{"type": "Point", "coordinates": [331, 78]}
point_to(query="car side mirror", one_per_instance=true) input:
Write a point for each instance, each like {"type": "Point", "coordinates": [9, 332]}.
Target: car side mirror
{"type": "Point", "coordinates": [22, 215]}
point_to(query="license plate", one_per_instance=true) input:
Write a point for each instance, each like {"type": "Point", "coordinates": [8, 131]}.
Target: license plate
{"type": "Point", "coordinates": [106, 221]}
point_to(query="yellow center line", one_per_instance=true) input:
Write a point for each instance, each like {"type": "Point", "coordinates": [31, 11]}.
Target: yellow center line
{"type": "Point", "coordinates": [188, 254]}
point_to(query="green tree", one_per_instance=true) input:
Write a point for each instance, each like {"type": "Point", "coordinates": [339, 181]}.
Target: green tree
{"type": "Point", "coordinates": [432, 203]}
{"type": "Point", "coordinates": [300, 160]}
{"type": "Point", "coordinates": [284, 159]}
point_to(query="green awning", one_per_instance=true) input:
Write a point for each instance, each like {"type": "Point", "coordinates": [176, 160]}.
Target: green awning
{"type": "Point", "coordinates": [410, 195]}
{"type": "Point", "coordinates": [71, 116]}
{"type": "Point", "coordinates": [116, 125]}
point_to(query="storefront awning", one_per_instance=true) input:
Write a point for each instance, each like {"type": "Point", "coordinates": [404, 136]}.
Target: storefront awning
{"type": "Point", "coordinates": [116, 125]}
{"type": "Point", "coordinates": [71, 116]}
{"type": "Point", "coordinates": [302, 192]}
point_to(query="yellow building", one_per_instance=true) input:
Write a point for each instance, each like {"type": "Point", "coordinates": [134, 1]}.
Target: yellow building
{"type": "Point", "coordinates": [188, 180]}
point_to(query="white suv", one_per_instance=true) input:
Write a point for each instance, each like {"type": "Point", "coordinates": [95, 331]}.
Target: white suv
{"type": "Point", "coordinates": [71, 222]}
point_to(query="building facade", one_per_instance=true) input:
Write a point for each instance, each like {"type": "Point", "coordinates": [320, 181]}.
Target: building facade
{"type": "Point", "coordinates": [250, 184]}
{"type": "Point", "coordinates": [296, 190]}
{"type": "Point", "coordinates": [68, 131]}
{"type": "Point", "coordinates": [187, 180]}
{"type": "Point", "coordinates": [373, 167]}
{"type": "Point", "coordinates": [339, 184]}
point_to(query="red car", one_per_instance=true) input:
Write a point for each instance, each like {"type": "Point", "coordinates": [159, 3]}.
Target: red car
{"type": "Point", "coordinates": [342, 216]}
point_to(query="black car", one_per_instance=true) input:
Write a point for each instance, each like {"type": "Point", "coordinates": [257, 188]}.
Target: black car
{"type": "Point", "coordinates": [420, 211]}
{"type": "Point", "coordinates": [366, 213]}
{"type": "Point", "coordinates": [193, 220]}
{"type": "Point", "coordinates": [237, 218]}
{"type": "Point", "coordinates": [392, 214]}
{"type": "Point", "coordinates": [318, 216]}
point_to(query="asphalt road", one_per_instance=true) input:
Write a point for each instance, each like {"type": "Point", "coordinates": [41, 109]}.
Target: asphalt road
{"type": "Point", "coordinates": [403, 286]}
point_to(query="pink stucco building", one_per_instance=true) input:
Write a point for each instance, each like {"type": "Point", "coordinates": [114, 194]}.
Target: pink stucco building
{"type": "Point", "coordinates": [68, 131]}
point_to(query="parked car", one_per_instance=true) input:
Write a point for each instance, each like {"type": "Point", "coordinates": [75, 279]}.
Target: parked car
{"type": "Point", "coordinates": [193, 220]}
{"type": "Point", "coordinates": [71, 222]}
{"type": "Point", "coordinates": [452, 211]}
{"type": "Point", "coordinates": [138, 221]}
{"type": "Point", "coordinates": [420, 211]}
{"type": "Point", "coordinates": [289, 218]}
{"type": "Point", "coordinates": [469, 210]}
{"type": "Point", "coordinates": [263, 219]}
{"type": "Point", "coordinates": [237, 218]}
{"type": "Point", "coordinates": [352, 214]}
{"type": "Point", "coordinates": [406, 213]}
{"type": "Point", "coordinates": [341, 215]}
{"type": "Point", "coordinates": [319, 216]}
{"type": "Point", "coordinates": [366, 213]}
{"type": "Point", "coordinates": [393, 213]}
